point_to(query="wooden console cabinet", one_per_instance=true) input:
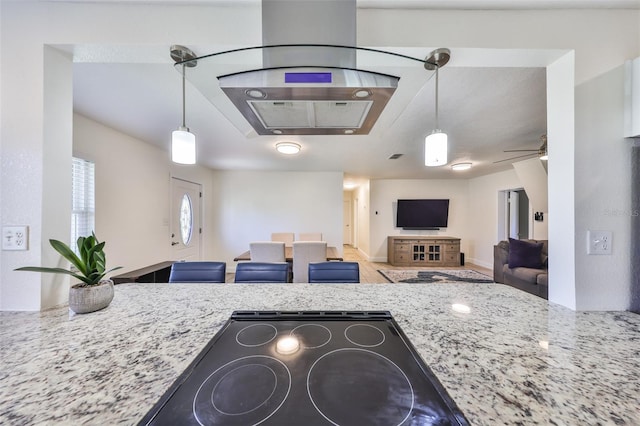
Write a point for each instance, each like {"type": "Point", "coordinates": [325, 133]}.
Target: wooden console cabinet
{"type": "Point", "coordinates": [423, 251]}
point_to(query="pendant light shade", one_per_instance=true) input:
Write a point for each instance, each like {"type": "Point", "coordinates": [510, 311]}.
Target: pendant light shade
{"type": "Point", "coordinates": [183, 146]}
{"type": "Point", "coordinates": [435, 144]}
{"type": "Point", "coordinates": [183, 142]}
{"type": "Point", "coordinates": [435, 149]}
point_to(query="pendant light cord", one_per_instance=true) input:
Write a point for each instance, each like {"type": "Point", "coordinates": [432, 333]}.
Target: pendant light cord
{"type": "Point", "coordinates": [183, 96]}
{"type": "Point", "coordinates": [437, 126]}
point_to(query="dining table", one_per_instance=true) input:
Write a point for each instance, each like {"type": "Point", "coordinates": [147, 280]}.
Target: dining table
{"type": "Point", "coordinates": [332, 254]}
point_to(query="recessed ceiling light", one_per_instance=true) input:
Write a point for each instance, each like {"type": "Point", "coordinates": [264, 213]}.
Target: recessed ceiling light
{"type": "Point", "coordinates": [349, 131]}
{"type": "Point", "coordinates": [288, 148]}
{"type": "Point", "coordinates": [461, 166]}
{"type": "Point", "coordinates": [276, 132]}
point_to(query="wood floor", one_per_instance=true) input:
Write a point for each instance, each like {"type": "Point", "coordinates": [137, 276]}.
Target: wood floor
{"type": "Point", "coordinates": [369, 270]}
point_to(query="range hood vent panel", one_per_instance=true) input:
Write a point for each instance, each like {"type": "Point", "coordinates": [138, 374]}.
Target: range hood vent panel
{"type": "Point", "coordinates": [311, 114]}
{"type": "Point", "coordinates": [349, 104]}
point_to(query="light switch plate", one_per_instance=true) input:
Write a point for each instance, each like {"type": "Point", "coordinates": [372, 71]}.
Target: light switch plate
{"type": "Point", "coordinates": [599, 242]}
{"type": "Point", "coordinates": [15, 238]}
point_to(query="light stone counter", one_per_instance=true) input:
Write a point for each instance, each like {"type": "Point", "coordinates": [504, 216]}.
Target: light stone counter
{"type": "Point", "coordinates": [110, 367]}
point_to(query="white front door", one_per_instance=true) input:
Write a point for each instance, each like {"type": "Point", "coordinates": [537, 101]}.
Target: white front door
{"type": "Point", "coordinates": [186, 226]}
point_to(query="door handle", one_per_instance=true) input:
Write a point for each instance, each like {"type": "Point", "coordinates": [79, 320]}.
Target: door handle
{"type": "Point", "coordinates": [174, 243]}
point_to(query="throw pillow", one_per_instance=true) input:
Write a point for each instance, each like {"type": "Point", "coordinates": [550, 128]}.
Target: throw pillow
{"type": "Point", "coordinates": [525, 254]}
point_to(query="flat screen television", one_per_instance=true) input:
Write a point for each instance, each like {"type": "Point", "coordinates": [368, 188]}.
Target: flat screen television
{"type": "Point", "coordinates": [422, 214]}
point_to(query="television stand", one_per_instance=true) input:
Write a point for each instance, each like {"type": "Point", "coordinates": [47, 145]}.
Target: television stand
{"type": "Point", "coordinates": [414, 250]}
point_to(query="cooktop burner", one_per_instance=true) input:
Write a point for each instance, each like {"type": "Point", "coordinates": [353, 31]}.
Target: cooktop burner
{"type": "Point", "coordinates": [307, 368]}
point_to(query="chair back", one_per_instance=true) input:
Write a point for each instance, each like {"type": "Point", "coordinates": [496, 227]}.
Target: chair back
{"type": "Point", "coordinates": [334, 272]}
{"type": "Point", "coordinates": [305, 252]}
{"type": "Point", "coordinates": [198, 272]}
{"type": "Point", "coordinates": [286, 237]}
{"type": "Point", "coordinates": [262, 272]}
{"type": "Point", "coordinates": [267, 251]}
{"type": "Point", "coordinates": [310, 236]}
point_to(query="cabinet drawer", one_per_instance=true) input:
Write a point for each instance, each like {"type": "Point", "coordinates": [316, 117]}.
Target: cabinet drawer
{"type": "Point", "coordinates": [451, 258]}
{"type": "Point", "coordinates": [402, 247]}
{"type": "Point", "coordinates": [402, 257]}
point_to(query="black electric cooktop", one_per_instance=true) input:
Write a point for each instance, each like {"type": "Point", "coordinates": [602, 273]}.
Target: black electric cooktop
{"type": "Point", "coordinates": [307, 368]}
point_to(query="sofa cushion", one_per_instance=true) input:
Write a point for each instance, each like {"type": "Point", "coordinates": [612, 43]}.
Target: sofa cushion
{"type": "Point", "coordinates": [525, 274]}
{"type": "Point", "coordinates": [525, 254]}
{"type": "Point", "coordinates": [542, 279]}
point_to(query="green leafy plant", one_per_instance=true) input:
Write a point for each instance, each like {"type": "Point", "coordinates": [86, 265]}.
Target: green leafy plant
{"type": "Point", "coordinates": [90, 264]}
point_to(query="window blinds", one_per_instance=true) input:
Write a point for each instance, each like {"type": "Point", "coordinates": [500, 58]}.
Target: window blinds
{"type": "Point", "coordinates": [84, 204]}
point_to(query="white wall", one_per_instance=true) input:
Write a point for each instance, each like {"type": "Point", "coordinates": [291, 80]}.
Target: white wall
{"type": "Point", "coordinates": [603, 193]}
{"type": "Point", "coordinates": [252, 205]}
{"type": "Point", "coordinates": [482, 232]}
{"type": "Point", "coordinates": [26, 28]}
{"type": "Point", "coordinates": [561, 191]}
{"type": "Point", "coordinates": [57, 132]}
{"type": "Point", "coordinates": [385, 194]}
{"type": "Point", "coordinates": [363, 195]}
{"type": "Point", "coordinates": [602, 40]}
{"type": "Point", "coordinates": [133, 193]}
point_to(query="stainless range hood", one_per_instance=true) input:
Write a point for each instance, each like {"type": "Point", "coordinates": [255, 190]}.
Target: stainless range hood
{"type": "Point", "coordinates": [321, 85]}
{"type": "Point", "coordinates": [312, 91]}
{"type": "Point", "coordinates": [310, 101]}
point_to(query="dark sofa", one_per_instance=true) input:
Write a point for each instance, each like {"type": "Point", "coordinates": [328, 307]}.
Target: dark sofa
{"type": "Point", "coordinates": [531, 280]}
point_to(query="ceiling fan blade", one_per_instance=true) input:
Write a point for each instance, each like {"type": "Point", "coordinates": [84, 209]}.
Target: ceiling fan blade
{"type": "Point", "coordinates": [521, 150]}
{"type": "Point", "coordinates": [514, 158]}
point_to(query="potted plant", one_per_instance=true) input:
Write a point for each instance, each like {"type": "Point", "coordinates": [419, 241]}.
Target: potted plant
{"type": "Point", "coordinates": [93, 292]}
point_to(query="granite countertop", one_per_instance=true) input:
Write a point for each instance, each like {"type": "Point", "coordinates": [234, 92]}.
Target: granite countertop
{"type": "Point", "coordinates": [514, 359]}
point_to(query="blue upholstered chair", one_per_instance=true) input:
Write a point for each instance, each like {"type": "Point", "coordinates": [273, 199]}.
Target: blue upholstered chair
{"type": "Point", "coordinates": [198, 272]}
{"type": "Point", "coordinates": [262, 272]}
{"type": "Point", "coordinates": [334, 272]}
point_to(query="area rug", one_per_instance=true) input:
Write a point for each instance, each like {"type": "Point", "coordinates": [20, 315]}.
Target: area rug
{"type": "Point", "coordinates": [434, 276]}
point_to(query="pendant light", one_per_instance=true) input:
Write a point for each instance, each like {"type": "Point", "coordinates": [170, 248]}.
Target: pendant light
{"type": "Point", "coordinates": [183, 142]}
{"type": "Point", "coordinates": [435, 144]}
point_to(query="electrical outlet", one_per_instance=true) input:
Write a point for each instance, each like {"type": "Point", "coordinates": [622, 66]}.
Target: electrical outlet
{"type": "Point", "coordinates": [599, 242]}
{"type": "Point", "coordinates": [15, 238]}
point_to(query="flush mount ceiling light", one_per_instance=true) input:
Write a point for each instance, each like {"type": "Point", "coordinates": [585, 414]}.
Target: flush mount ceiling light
{"type": "Point", "coordinates": [288, 148]}
{"type": "Point", "coordinates": [435, 144]}
{"type": "Point", "coordinates": [461, 166]}
{"type": "Point", "coordinates": [183, 142]}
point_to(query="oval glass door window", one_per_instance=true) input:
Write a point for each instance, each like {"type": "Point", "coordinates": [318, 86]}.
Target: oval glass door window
{"type": "Point", "coordinates": [186, 219]}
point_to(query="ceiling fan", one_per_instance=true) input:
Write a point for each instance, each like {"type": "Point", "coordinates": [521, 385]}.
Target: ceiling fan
{"type": "Point", "coordinates": [540, 152]}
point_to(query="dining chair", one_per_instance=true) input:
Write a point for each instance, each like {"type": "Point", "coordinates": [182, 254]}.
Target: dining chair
{"type": "Point", "coordinates": [305, 252]}
{"type": "Point", "coordinates": [286, 237]}
{"type": "Point", "coordinates": [267, 251]}
{"type": "Point", "coordinates": [310, 236]}
{"type": "Point", "coordinates": [198, 272]}
{"type": "Point", "coordinates": [334, 272]}
{"type": "Point", "coordinates": [262, 272]}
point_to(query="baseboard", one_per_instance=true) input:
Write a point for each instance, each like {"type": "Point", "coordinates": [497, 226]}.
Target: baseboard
{"type": "Point", "coordinates": [363, 254]}
{"type": "Point", "coordinates": [378, 259]}
{"type": "Point", "coordinates": [479, 263]}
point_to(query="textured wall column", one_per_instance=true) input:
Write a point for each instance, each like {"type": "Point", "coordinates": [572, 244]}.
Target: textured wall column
{"type": "Point", "coordinates": [635, 227]}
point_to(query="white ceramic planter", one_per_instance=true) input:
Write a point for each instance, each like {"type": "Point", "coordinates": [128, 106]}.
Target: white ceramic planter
{"type": "Point", "coordinates": [83, 300]}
